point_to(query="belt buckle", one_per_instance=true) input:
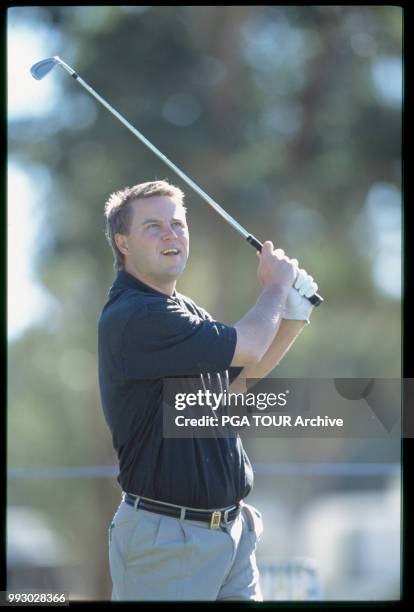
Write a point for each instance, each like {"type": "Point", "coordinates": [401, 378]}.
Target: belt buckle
{"type": "Point", "coordinates": [215, 520]}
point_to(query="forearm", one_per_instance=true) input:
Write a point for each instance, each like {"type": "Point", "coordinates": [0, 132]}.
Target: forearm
{"type": "Point", "coordinates": [257, 329]}
{"type": "Point", "coordinates": [288, 332]}
{"type": "Point", "coordinates": [273, 333]}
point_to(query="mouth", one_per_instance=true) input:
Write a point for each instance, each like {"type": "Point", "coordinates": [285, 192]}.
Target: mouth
{"type": "Point", "coordinates": [170, 252]}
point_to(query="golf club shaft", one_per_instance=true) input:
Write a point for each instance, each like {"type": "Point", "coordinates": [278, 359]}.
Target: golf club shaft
{"type": "Point", "coordinates": [158, 153]}
{"type": "Point", "coordinates": [314, 299]}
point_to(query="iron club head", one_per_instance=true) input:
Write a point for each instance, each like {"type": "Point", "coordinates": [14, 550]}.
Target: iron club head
{"type": "Point", "coordinates": [42, 68]}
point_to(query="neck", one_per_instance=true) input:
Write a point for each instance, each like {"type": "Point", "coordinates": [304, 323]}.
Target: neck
{"type": "Point", "coordinates": [167, 287]}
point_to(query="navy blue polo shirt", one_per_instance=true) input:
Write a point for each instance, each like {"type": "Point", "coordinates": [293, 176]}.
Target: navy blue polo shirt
{"type": "Point", "coordinates": [145, 336]}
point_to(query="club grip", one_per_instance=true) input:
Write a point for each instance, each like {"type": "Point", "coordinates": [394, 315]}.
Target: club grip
{"type": "Point", "coordinates": [314, 299]}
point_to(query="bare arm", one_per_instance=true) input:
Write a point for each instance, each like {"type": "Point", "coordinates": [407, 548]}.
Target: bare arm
{"type": "Point", "coordinates": [286, 335]}
{"type": "Point", "coordinates": [262, 330]}
{"type": "Point", "coordinates": [257, 329]}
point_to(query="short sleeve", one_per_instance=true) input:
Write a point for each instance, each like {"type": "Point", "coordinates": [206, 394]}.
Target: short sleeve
{"type": "Point", "coordinates": [233, 373]}
{"type": "Point", "coordinates": [164, 339]}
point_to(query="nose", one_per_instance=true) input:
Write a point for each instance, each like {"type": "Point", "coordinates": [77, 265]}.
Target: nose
{"type": "Point", "coordinates": [170, 233]}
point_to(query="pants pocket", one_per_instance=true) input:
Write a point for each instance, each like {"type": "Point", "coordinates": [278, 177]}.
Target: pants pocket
{"type": "Point", "coordinates": [254, 521]}
{"type": "Point", "coordinates": [111, 527]}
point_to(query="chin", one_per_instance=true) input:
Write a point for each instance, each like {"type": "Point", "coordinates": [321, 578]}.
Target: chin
{"type": "Point", "coordinates": [177, 269]}
{"type": "Point", "coordinates": [175, 273]}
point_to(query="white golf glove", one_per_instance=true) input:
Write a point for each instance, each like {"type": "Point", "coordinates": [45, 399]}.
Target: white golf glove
{"type": "Point", "coordinates": [297, 306]}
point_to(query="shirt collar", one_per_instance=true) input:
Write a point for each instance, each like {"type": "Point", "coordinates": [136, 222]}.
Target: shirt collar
{"type": "Point", "coordinates": [125, 280]}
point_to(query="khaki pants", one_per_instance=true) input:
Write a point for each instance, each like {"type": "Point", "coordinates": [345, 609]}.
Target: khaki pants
{"type": "Point", "coordinates": [156, 557]}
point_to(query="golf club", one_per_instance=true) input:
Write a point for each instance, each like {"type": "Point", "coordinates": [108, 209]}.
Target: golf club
{"type": "Point", "coordinates": [42, 68]}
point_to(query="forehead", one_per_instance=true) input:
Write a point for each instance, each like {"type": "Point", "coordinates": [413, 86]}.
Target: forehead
{"type": "Point", "coordinates": [156, 207]}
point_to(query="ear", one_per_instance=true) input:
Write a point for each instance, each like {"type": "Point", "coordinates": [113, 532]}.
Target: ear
{"type": "Point", "coordinates": [122, 243]}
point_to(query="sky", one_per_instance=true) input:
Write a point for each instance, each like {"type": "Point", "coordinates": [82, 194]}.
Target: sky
{"type": "Point", "coordinates": [28, 301]}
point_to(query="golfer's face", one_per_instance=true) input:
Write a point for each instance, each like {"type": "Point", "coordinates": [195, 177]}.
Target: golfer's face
{"type": "Point", "coordinates": [158, 239]}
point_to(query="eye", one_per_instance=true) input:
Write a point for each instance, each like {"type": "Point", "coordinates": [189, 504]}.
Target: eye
{"type": "Point", "coordinates": [179, 223]}
{"type": "Point", "coordinates": [150, 225]}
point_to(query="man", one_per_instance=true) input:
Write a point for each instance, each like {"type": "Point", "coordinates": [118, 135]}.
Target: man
{"type": "Point", "coordinates": [182, 530]}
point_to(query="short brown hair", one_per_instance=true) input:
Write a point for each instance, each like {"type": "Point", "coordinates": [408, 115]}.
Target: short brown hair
{"type": "Point", "coordinates": [118, 212]}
